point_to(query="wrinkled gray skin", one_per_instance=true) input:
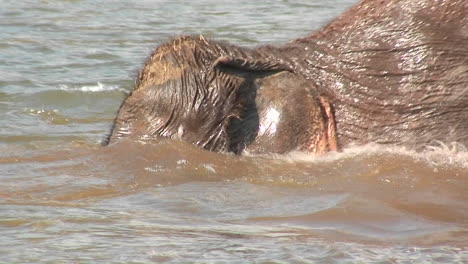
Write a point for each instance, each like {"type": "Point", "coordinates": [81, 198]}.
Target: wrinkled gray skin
{"type": "Point", "coordinates": [387, 71]}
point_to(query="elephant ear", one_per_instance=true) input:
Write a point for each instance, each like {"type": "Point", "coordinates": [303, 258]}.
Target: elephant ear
{"type": "Point", "coordinates": [259, 65]}
{"type": "Point", "coordinates": [237, 75]}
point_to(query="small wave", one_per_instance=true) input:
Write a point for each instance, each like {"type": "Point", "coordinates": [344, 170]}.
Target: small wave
{"type": "Point", "coordinates": [99, 87]}
{"type": "Point", "coordinates": [50, 116]}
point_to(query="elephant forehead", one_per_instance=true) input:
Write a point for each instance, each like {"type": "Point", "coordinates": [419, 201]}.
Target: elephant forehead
{"type": "Point", "coordinates": [170, 60]}
{"type": "Point", "coordinates": [159, 72]}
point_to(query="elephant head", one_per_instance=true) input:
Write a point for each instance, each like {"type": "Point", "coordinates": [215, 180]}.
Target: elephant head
{"type": "Point", "coordinates": [226, 98]}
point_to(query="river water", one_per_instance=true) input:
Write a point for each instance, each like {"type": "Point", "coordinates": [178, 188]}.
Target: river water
{"type": "Point", "coordinates": [65, 66]}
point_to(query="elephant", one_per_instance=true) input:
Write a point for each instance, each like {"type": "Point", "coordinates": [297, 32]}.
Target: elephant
{"type": "Point", "coordinates": [392, 72]}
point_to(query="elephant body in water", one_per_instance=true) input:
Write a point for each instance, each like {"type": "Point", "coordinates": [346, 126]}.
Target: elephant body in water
{"type": "Point", "coordinates": [386, 71]}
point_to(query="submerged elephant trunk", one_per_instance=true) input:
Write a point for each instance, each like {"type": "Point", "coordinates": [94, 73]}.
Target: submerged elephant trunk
{"type": "Point", "coordinates": [385, 71]}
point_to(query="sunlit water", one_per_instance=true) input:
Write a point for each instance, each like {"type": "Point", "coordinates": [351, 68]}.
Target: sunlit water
{"type": "Point", "coordinates": [65, 67]}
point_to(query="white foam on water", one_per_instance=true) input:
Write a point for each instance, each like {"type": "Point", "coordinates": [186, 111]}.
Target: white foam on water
{"type": "Point", "coordinates": [435, 154]}
{"type": "Point", "coordinates": [99, 87]}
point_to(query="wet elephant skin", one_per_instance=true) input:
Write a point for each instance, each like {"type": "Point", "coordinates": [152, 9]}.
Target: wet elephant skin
{"type": "Point", "coordinates": [388, 71]}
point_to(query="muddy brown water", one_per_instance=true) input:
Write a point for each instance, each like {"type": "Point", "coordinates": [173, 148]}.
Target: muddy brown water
{"type": "Point", "coordinates": [65, 67]}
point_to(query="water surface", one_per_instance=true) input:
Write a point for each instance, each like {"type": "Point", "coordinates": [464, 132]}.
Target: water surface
{"type": "Point", "coordinates": [66, 65]}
